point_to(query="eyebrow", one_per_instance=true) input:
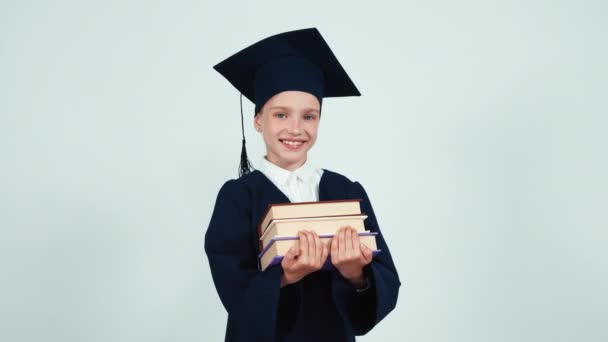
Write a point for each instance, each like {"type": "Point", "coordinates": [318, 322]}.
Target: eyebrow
{"type": "Point", "coordinates": [277, 107]}
{"type": "Point", "coordinates": [308, 109]}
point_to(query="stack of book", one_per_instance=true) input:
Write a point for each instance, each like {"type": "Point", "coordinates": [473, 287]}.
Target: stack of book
{"type": "Point", "coordinates": [279, 226]}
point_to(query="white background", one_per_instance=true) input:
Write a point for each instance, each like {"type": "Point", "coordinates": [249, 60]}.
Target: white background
{"type": "Point", "coordinates": [480, 139]}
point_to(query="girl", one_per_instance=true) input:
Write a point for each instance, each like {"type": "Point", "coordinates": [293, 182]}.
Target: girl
{"type": "Point", "coordinates": [287, 76]}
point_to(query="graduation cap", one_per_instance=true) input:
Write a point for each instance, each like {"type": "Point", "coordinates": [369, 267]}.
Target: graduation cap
{"type": "Point", "coordinates": [295, 60]}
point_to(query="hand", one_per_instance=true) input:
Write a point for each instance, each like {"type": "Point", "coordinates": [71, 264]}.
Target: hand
{"type": "Point", "coordinates": [349, 256]}
{"type": "Point", "coordinates": [307, 258]}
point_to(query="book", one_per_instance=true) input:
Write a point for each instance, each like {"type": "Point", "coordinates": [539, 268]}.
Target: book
{"type": "Point", "coordinates": [308, 209]}
{"type": "Point", "coordinates": [325, 225]}
{"type": "Point", "coordinates": [278, 246]}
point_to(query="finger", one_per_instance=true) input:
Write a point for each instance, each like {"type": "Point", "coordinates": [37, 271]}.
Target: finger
{"type": "Point", "coordinates": [319, 247]}
{"type": "Point", "coordinates": [342, 244]}
{"type": "Point", "coordinates": [311, 245]}
{"type": "Point", "coordinates": [356, 242]}
{"type": "Point", "coordinates": [289, 257]}
{"type": "Point", "coordinates": [325, 253]}
{"type": "Point", "coordinates": [334, 249]}
{"type": "Point", "coordinates": [348, 238]}
{"type": "Point", "coordinates": [303, 244]}
{"type": "Point", "coordinates": [367, 253]}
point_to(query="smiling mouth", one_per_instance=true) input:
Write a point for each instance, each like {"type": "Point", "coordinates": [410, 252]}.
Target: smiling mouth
{"type": "Point", "coordinates": [292, 144]}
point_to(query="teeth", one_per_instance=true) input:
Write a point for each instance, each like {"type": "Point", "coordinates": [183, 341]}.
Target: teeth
{"type": "Point", "coordinates": [292, 143]}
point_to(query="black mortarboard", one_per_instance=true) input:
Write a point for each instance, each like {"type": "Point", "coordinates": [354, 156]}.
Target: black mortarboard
{"type": "Point", "coordinates": [295, 60]}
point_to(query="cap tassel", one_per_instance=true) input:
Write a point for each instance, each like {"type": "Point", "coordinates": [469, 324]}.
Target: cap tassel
{"type": "Point", "coordinates": [244, 166]}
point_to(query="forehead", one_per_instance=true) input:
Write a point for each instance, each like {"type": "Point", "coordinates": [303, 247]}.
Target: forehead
{"type": "Point", "coordinates": [293, 99]}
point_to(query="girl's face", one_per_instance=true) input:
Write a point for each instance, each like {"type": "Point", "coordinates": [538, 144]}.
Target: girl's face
{"type": "Point", "coordinates": [288, 122]}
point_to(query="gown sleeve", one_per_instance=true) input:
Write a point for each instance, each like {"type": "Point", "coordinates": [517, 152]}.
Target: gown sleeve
{"type": "Point", "coordinates": [363, 310]}
{"type": "Point", "coordinates": [251, 297]}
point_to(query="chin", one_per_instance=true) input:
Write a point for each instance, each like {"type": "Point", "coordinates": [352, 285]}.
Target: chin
{"type": "Point", "coordinates": [294, 160]}
{"type": "Point", "coordinates": [290, 159]}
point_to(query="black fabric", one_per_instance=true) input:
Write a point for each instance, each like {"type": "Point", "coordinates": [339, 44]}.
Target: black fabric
{"type": "Point", "coordinates": [295, 60]}
{"type": "Point", "coordinates": [323, 306]}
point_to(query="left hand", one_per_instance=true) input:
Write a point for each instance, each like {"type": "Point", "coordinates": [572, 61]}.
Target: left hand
{"type": "Point", "coordinates": [349, 256]}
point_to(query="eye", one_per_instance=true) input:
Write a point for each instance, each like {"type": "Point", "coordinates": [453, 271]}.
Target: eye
{"type": "Point", "coordinates": [280, 115]}
{"type": "Point", "coordinates": [310, 117]}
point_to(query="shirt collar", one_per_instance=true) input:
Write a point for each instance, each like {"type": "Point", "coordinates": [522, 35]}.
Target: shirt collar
{"type": "Point", "coordinates": [281, 175]}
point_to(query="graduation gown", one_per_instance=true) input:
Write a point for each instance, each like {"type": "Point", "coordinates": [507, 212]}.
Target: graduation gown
{"type": "Point", "coordinates": [323, 306]}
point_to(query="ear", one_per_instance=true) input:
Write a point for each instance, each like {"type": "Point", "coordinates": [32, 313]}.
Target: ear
{"type": "Point", "coordinates": [256, 122]}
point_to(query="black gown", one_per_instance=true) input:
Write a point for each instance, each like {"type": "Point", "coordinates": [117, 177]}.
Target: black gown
{"type": "Point", "coordinates": [323, 306]}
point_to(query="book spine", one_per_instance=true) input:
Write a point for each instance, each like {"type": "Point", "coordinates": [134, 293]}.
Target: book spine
{"type": "Point", "coordinates": [288, 228]}
{"type": "Point", "coordinates": [270, 206]}
{"type": "Point", "coordinates": [260, 237]}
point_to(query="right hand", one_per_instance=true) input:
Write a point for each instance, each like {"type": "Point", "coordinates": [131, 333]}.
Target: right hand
{"type": "Point", "coordinates": [308, 258]}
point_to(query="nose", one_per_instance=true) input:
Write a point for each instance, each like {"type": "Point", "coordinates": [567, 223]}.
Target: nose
{"type": "Point", "coordinates": [294, 126]}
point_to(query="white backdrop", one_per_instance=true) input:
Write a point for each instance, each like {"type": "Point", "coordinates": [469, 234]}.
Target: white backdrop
{"type": "Point", "coordinates": [480, 138]}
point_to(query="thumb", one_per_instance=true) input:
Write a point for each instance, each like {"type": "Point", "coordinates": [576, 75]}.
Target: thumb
{"type": "Point", "coordinates": [289, 256]}
{"type": "Point", "coordinates": [325, 252]}
{"type": "Point", "coordinates": [367, 253]}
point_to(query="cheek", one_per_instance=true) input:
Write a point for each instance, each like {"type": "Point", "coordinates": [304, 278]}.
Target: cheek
{"type": "Point", "coordinates": [276, 130]}
{"type": "Point", "coordinates": [312, 129]}
{"type": "Point", "coordinates": [272, 133]}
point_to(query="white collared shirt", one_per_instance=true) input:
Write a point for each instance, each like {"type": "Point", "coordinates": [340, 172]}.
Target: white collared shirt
{"type": "Point", "coordinates": [300, 185]}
